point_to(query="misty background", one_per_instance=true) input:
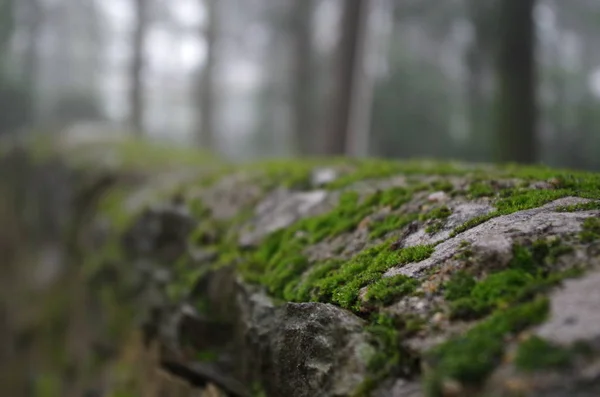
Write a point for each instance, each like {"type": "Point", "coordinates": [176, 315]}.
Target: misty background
{"type": "Point", "coordinates": [476, 80]}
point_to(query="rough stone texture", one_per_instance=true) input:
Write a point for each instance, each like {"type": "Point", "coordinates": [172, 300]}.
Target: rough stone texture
{"type": "Point", "coordinates": [575, 312]}
{"type": "Point", "coordinates": [282, 208]}
{"type": "Point", "coordinates": [326, 346]}
{"type": "Point", "coordinates": [495, 236]}
{"type": "Point", "coordinates": [461, 213]}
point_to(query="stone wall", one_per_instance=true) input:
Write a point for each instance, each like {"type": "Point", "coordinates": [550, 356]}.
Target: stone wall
{"type": "Point", "coordinates": [140, 271]}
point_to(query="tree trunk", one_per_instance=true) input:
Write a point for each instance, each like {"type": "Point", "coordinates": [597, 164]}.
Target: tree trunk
{"type": "Point", "coordinates": [301, 79]}
{"type": "Point", "coordinates": [207, 82]}
{"type": "Point", "coordinates": [31, 62]}
{"type": "Point", "coordinates": [136, 99]}
{"type": "Point", "coordinates": [352, 33]}
{"type": "Point", "coordinates": [516, 94]}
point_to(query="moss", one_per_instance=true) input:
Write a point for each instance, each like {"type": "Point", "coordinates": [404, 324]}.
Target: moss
{"type": "Point", "coordinates": [391, 357]}
{"type": "Point", "coordinates": [279, 263]}
{"type": "Point", "coordinates": [590, 230]}
{"type": "Point", "coordinates": [593, 205]}
{"type": "Point", "coordinates": [471, 357]}
{"type": "Point", "coordinates": [47, 385]}
{"type": "Point", "coordinates": [579, 184]}
{"type": "Point", "coordinates": [442, 185]}
{"type": "Point", "coordinates": [480, 189]}
{"type": "Point", "coordinates": [442, 212]}
{"type": "Point", "coordinates": [435, 227]}
{"type": "Point", "coordinates": [538, 354]}
{"type": "Point", "coordinates": [301, 291]}
{"type": "Point", "coordinates": [111, 205]}
{"type": "Point", "coordinates": [459, 286]}
{"type": "Point", "coordinates": [375, 168]}
{"type": "Point", "coordinates": [523, 199]}
{"type": "Point", "coordinates": [471, 223]}
{"type": "Point", "coordinates": [258, 390]}
{"type": "Point", "coordinates": [206, 356]}
{"type": "Point", "coordinates": [343, 285]}
{"type": "Point", "coordinates": [389, 289]}
{"type": "Point", "coordinates": [437, 215]}
{"type": "Point", "coordinates": [287, 173]}
{"type": "Point", "coordinates": [527, 274]}
{"type": "Point", "coordinates": [389, 224]}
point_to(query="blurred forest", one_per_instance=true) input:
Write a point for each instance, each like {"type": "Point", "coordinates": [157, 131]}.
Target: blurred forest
{"type": "Point", "coordinates": [477, 80]}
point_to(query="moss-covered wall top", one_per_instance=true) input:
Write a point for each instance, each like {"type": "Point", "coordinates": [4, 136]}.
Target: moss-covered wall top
{"type": "Point", "coordinates": [340, 277]}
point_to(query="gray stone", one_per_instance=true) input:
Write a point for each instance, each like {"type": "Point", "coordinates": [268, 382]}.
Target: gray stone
{"type": "Point", "coordinates": [317, 350]}
{"type": "Point", "coordinates": [282, 208]}
{"type": "Point", "coordinates": [575, 312]}
{"type": "Point", "coordinates": [495, 236]}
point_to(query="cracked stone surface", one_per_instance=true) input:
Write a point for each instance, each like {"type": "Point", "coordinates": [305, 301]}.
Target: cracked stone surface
{"type": "Point", "coordinates": [495, 236]}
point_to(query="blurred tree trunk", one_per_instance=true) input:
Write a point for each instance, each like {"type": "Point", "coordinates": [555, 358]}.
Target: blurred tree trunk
{"type": "Point", "coordinates": [478, 60]}
{"type": "Point", "coordinates": [7, 26]}
{"type": "Point", "coordinates": [348, 61]}
{"type": "Point", "coordinates": [137, 99]}
{"type": "Point", "coordinates": [31, 61]}
{"type": "Point", "coordinates": [516, 94]}
{"type": "Point", "coordinates": [207, 83]}
{"type": "Point", "coordinates": [301, 79]}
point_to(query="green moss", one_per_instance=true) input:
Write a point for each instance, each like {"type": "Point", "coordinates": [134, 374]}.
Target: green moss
{"type": "Point", "coordinates": [480, 189]}
{"type": "Point", "coordinates": [389, 289]}
{"type": "Point", "coordinates": [258, 390]}
{"type": "Point", "coordinates": [390, 357]}
{"type": "Point", "coordinates": [292, 174]}
{"type": "Point", "coordinates": [593, 205]}
{"type": "Point", "coordinates": [47, 385]}
{"type": "Point", "coordinates": [537, 354]}
{"type": "Point", "coordinates": [435, 227]}
{"type": "Point", "coordinates": [301, 291]}
{"type": "Point", "coordinates": [527, 274]}
{"type": "Point", "coordinates": [442, 212]}
{"type": "Point", "coordinates": [471, 223]}
{"type": "Point", "coordinates": [343, 285]}
{"type": "Point", "coordinates": [470, 358]}
{"type": "Point", "coordinates": [437, 215]}
{"type": "Point", "coordinates": [590, 230]}
{"type": "Point", "coordinates": [206, 356]}
{"type": "Point", "coordinates": [389, 224]}
{"type": "Point", "coordinates": [442, 185]}
{"type": "Point", "coordinates": [566, 183]}
{"type": "Point", "coordinates": [459, 286]}
{"type": "Point", "coordinates": [523, 199]}
{"type": "Point", "coordinates": [112, 205]}
{"type": "Point", "coordinates": [496, 291]}
{"type": "Point", "coordinates": [279, 263]}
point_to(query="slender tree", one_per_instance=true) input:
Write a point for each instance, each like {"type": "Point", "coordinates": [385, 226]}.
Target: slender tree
{"type": "Point", "coordinates": [479, 63]}
{"type": "Point", "coordinates": [301, 78]}
{"type": "Point", "coordinates": [516, 92]}
{"type": "Point", "coordinates": [348, 62]}
{"type": "Point", "coordinates": [136, 73]}
{"type": "Point", "coordinates": [207, 81]}
{"type": "Point", "coordinates": [31, 62]}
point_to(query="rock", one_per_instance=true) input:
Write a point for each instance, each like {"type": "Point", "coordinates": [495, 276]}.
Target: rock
{"type": "Point", "coordinates": [282, 208]}
{"type": "Point", "coordinates": [495, 236]}
{"type": "Point", "coordinates": [438, 197]}
{"type": "Point", "coordinates": [323, 176]}
{"type": "Point", "coordinates": [317, 350]}
{"type": "Point", "coordinates": [161, 231]}
{"type": "Point", "coordinates": [575, 312]}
